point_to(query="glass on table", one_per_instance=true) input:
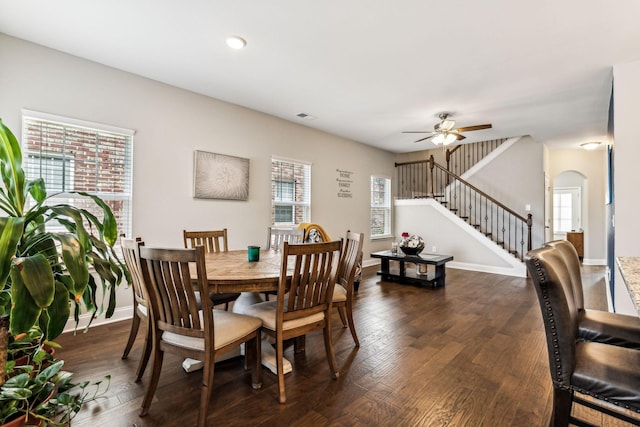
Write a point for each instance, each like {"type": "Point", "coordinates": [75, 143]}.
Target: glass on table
{"type": "Point", "coordinates": [253, 253]}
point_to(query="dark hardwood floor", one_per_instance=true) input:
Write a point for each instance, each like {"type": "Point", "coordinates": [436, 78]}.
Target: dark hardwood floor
{"type": "Point", "coordinates": [470, 354]}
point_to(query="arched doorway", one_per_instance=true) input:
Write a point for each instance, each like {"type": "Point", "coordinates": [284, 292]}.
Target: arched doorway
{"type": "Point", "coordinates": [569, 202]}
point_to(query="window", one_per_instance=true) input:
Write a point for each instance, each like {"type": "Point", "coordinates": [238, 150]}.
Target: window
{"type": "Point", "coordinates": [380, 206]}
{"type": "Point", "coordinates": [290, 192]}
{"type": "Point", "coordinates": [71, 155]}
{"type": "Point", "coordinates": [566, 209]}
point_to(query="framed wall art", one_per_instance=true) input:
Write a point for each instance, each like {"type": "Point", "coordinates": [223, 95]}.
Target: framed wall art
{"type": "Point", "coordinates": [218, 176]}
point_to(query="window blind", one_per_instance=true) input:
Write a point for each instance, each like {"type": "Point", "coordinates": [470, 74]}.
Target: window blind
{"type": "Point", "coordinates": [76, 156]}
{"type": "Point", "coordinates": [290, 192]}
{"type": "Point", "coordinates": [380, 206]}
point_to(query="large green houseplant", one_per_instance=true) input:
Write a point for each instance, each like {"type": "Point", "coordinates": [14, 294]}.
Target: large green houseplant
{"type": "Point", "coordinates": [45, 395]}
{"type": "Point", "coordinates": [42, 271]}
{"type": "Point", "coordinates": [46, 274]}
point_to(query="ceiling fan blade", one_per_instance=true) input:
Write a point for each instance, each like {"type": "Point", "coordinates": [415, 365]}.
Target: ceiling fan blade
{"type": "Point", "coordinates": [459, 136]}
{"type": "Point", "coordinates": [476, 127]}
{"type": "Point", "coordinates": [425, 138]}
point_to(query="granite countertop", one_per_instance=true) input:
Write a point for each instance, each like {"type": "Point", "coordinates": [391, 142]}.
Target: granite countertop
{"type": "Point", "coordinates": [630, 270]}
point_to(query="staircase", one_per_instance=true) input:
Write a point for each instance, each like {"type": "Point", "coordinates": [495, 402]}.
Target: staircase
{"type": "Point", "coordinates": [483, 213]}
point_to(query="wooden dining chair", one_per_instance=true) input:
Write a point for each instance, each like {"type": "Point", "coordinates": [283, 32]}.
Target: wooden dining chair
{"type": "Point", "coordinates": [343, 290]}
{"type": "Point", "coordinates": [304, 301]}
{"type": "Point", "coordinates": [179, 326]}
{"type": "Point", "coordinates": [276, 236]}
{"type": "Point", "coordinates": [213, 241]}
{"type": "Point", "coordinates": [131, 254]}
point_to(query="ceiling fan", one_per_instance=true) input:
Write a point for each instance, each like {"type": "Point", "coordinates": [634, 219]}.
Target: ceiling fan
{"type": "Point", "coordinates": [444, 133]}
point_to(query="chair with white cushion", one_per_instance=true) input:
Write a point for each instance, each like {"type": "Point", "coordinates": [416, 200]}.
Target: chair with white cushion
{"type": "Point", "coordinates": [213, 241]}
{"type": "Point", "coordinates": [343, 291]}
{"type": "Point", "coordinates": [303, 302]}
{"type": "Point", "coordinates": [131, 254]}
{"type": "Point", "coordinates": [179, 326]}
{"type": "Point", "coordinates": [276, 236]}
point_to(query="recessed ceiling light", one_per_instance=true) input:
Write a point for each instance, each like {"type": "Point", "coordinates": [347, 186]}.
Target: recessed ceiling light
{"type": "Point", "coordinates": [236, 42]}
{"type": "Point", "coordinates": [590, 145]}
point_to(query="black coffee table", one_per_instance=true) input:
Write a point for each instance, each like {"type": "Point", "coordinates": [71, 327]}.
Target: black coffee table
{"type": "Point", "coordinates": [402, 275]}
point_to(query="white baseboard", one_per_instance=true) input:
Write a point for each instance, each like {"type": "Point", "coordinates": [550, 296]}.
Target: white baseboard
{"type": "Point", "coordinates": [595, 261]}
{"type": "Point", "coordinates": [517, 271]}
{"type": "Point", "coordinates": [120, 313]}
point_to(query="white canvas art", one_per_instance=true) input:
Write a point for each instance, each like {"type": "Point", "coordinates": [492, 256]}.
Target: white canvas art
{"type": "Point", "coordinates": [217, 176]}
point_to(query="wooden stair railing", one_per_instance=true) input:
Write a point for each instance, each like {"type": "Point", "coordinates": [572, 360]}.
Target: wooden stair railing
{"type": "Point", "coordinates": [501, 224]}
{"type": "Point", "coordinates": [463, 157]}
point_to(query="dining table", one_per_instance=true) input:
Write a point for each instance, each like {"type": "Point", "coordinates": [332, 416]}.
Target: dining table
{"type": "Point", "coordinates": [232, 271]}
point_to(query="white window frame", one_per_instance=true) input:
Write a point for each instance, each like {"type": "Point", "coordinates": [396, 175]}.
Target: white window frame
{"type": "Point", "coordinates": [385, 206]}
{"type": "Point", "coordinates": [296, 205]}
{"type": "Point", "coordinates": [67, 196]}
{"type": "Point", "coordinates": [574, 217]}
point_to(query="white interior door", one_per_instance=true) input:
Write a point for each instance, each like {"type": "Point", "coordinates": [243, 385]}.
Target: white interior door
{"type": "Point", "coordinates": [566, 211]}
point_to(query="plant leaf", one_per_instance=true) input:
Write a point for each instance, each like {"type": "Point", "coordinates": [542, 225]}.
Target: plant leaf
{"type": "Point", "coordinates": [25, 311]}
{"type": "Point", "coordinates": [73, 213]}
{"type": "Point", "coordinates": [12, 172]}
{"type": "Point", "coordinates": [37, 189]}
{"type": "Point", "coordinates": [110, 232]}
{"type": "Point", "coordinates": [58, 312]}
{"type": "Point", "coordinates": [75, 260]}
{"type": "Point", "coordinates": [10, 233]}
{"type": "Point", "coordinates": [34, 271]}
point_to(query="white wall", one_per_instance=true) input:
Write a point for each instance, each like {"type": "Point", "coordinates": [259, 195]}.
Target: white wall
{"type": "Point", "coordinates": [591, 164]}
{"type": "Point", "coordinates": [171, 123]}
{"type": "Point", "coordinates": [626, 97]}
{"type": "Point", "coordinates": [450, 235]}
{"type": "Point", "coordinates": [516, 179]}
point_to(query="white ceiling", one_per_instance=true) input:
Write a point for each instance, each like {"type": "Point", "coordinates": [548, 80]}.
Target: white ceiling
{"type": "Point", "coordinates": [366, 69]}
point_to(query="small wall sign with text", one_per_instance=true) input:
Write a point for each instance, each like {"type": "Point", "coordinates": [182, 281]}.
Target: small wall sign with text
{"type": "Point", "coordinates": [344, 183]}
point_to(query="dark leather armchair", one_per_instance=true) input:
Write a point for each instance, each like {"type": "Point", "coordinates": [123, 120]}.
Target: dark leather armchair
{"type": "Point", "coordinates": [597, 325]}
{"type": "Point", "coordinates": [605, 372]}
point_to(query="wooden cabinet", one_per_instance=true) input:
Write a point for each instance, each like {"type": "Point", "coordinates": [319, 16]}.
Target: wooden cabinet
{"type": "Point", "coordinates": [576, 238]}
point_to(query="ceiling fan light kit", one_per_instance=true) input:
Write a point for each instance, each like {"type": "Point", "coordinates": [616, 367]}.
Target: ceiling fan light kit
{"type": "Point", "coordinates": [445, 134]}
{"type": "Point", "coordinates": [444, 138]}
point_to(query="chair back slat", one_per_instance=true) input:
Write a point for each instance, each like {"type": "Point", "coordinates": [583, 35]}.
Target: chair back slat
{"type": "Point", "coordinates": [352, 246]}
{"type": "Point", "coordinates": [212, 240]}
{"type": "Point", "coordinates": [131, 255]}
{"type": "Point", "coordinates": [173, 292]}
{"type": "Point", "coordinates": [312, 278]}
{"type": "Point", "coordinates": [276, 236]}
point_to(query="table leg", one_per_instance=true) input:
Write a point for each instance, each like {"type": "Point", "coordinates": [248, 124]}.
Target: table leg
{"type": "Point", "coordinates": [403, 270]}
{"type": "Point", "coordinates": [268, 352]}
{"type": "Point", "coordinates": [439, 275]}
{"type": "Point", "coordinates": [384, 266]}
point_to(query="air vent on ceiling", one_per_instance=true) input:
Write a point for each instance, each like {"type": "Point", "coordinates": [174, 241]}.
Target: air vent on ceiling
{"type": "Point", "coordinates": [305, 116]}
